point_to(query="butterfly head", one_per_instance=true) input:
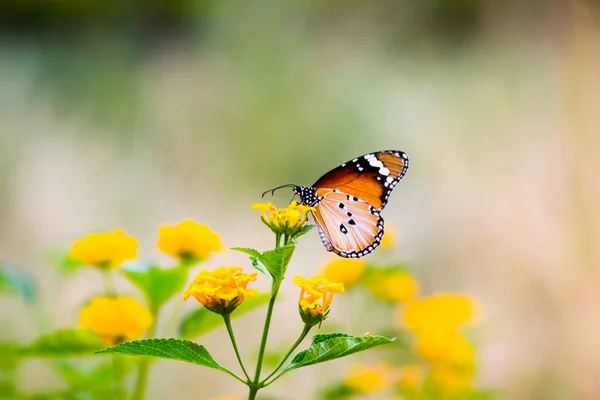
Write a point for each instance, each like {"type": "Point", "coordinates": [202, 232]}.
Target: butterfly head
{"type": "Point", "coordinates": [308, 195]}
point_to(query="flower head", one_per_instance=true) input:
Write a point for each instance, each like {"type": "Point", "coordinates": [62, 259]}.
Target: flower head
{"type": "Point", "coordinates": [105, 250]}
{"type": "Point", "coordinates": [444, 311]}
{"type": "Point", "coordinates": [394, 285]}
{"type": "Point", "coordinates": [410, 376]}
{"type": "Point", "coordinates": [221, 290]}
{"type": "Point", "coordinates": [284, 221]}
{"type": "Point", "coordinates": [115, 318]}
{"type": "Point", "coordinates": [447, 347]}
{"type": "Point", "coordinates": [369, 378]}
{"type": "Point", "coordinates": [188, 240]}
{"type": "Point", "coordinates": [344, 270]}
{"type": "Point", "coordinates": [315, 298]}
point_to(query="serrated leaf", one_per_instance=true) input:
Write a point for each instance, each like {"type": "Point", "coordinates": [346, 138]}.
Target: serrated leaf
{"type": "Point", "coordinates": [331, 346]}
{"type": "Point", "coordinates": [173, 349]}
{"type": "Point", "coordinates": [303, 231]}
{"type": "Point", "coordinates": [277, 260]}
{"type": "Point", "coordinates": [202, 321]}
{"type": "Point", "coordinates": [15, 281]}
{"type": "Point", "coordinates": [64, 343]}
{"type": "Point", "coordinates": [158, 284]}
{"type": "Point", "coordinates": [251, 252]}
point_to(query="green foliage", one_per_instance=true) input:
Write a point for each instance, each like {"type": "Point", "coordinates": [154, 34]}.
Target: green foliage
{"type": "Point", "coordinates": [158, 284]}
{"type": "Point", "coordinates": [97, 382]}
{"type": "Point", "coordinates": [202, 321]}
{"type": "Point", "coordinates": [64, 263]}
{"type": "Point", "coordinates": [15, 281]}
{"type": "Point", "coordinates": [173, 349]}
{"type": "Point", "coordinates": [333, 345]}
{"type": "Point", "coordinates": [274, 262]}
{"type": "Point", "coordinates": [303, 231]}
{"type": "Point", "coordinates": [63, 343]}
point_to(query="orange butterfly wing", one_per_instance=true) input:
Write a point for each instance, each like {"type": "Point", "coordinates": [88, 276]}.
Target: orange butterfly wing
{"type": "Point", "coordinates": [347, 225]}
{"type": "Point", "coordinates": [371, 177]}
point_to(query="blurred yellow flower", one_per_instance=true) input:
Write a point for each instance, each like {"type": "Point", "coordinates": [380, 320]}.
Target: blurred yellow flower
{"type": "Point", "coordinates": [105, 250]}
{"type": "Point", "coordinates": [439, 312]}
{"type": "Point", "coordinates": [221, 290]}
{"type": "Point", "coordinates": [346, 271]}
{"type": "Point", "coordinates": [369, 378]}
{"type": "Point", "coordinates": [315, 297]}
{"type": "Point", "coordinates": [390, 238]}
{"type": "Point", "coordinates": [410, 377]}
{"type": "Point", "coordinates": [393, 286]}
{"type": "Point", "coordinates": [116, 318]}
{"type": "Point", "coordinates": [188, 240]}
{"type": "Point", "coordinates": [286, 221]}
{"type": "Point", "coordinates": [453, 379]}
{"type": "Point", "coordinates": [447, 347]}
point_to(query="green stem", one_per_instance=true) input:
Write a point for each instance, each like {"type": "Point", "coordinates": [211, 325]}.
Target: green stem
{"type": "Point", "coordinates": [139, 392]}
{"type": "Point", "coordinates": [277, 239]}
{"type": "Point", "coordinates": [118, 375]}
{"type": "Point", "coordinates": [109, 286]}
{"type": "Point", "coordinates": [227, 319]}
{"type": "Point", "coordinates": [263, 343]}
{"type": "Point", "coordinates": [305, 331]}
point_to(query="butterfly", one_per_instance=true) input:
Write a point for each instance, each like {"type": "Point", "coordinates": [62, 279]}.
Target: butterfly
{"type": "Point", "coordinates": [348, 201]}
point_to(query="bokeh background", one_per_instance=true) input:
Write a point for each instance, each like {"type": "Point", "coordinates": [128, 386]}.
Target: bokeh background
{"type": "Point", "coordinates": [129, 115]}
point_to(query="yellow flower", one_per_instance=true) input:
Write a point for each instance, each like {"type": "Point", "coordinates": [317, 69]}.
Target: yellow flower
{"type": "Point", "coordinates": [393, 286]}
{"type": "Point", "coordinates": [453, 379]}
{"type": "Point", "coordinates": [439, 312]}
{"type": "Point", "coordinates": [447, 347]}
{"type": "Point", "coordinates": [105, 250]}
{"type": "Point", "coordinates": [315, 298]}
{"type": "Point", "coordinates": [390, 238]}
{"type": "Point", "coordinates": [410, 377]}
{"type": "Point", "coordinates": [284, 221]}
{"type": "Point", "coordinates": [115, 318]}
{"type": "Point", "coordinates": [344, 270]}
{"type": "Point", "coordinates": [188, 240]}
{"type": "Point", "coordinates": [221, 290]}
{"type": "Point", "coordinates": [369, 378]}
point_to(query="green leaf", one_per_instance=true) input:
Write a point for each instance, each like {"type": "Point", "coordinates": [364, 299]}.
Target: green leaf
{"type": "Point", "coordinates": [63, 262]}
{"type": "Point", "coordinates": [173, 349]}
{"type": "Point", "coordinates": [253, 253]}
{"type": "Point", "coordinates": [9, 356]}
{"type": "Point", "coordinates": [64, 343]}
{"type": "Point", "coordinates": [303, 231]}
{"type": "Point", "coordinates": [276, 261]}
{"type": "Point", "coordinates": [331, 346]}
{"type": "Point", "coordinates": [202, 321]}
{"type": "Point", "coordinates": [15, 281]}
{"type": "Point", "coordinates": [158, 284]}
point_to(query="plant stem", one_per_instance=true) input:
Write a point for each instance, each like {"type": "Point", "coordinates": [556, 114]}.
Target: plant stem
{"type": "Point", "coordinates": [263, 343]}
{"type": "Point", "coordinates": [109, 286]}
{"type": "Point", "coordinates": [139, 392]}
{"type": "Point", "coordinates": [117, 362]}
{"type": "Point", "coordinates": [227, 319]}
{"type": "Point", "coordinates": [305, 331]}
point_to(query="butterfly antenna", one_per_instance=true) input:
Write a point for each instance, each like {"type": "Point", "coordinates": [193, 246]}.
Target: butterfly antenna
{"type": "Point", "coordinates": [278, 187]}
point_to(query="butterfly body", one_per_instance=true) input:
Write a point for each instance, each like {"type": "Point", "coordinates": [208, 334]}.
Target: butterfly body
{"type": "Point", "coordinates": [348, 201]}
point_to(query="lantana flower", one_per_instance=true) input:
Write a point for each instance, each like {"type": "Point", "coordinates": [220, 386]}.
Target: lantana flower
{"type": "Point", "coordinates": [116, 318]}
{"type": "Point", "coordinates": [363, 378]}
{"type": "Point", "coordinates": [443, 311]}
{"type": "Point", "coordinates": [396, 286]}
{"type": "Point", "coordinates": [283, 221]}
{"type": "Point", "coordinates": [316, 297]}
{"type": "Point", "coordinates": [221, 290]}
{"type": "Point", "coordinates": [105, 250]}
{"type": "Point", "coordinates": [346, 271]}
{"type": "Point", "coordinates": [188, 240]}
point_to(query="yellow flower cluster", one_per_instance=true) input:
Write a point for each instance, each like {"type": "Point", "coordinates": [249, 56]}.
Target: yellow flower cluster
{"type": "Point", "coordinates": [395, 286]}
{"type": "Point", "coordinates": [284, 221]}
{"type": "Point", "coordinates": [221, 290]}
{"type": "Point", "coordinates": [116, 318]}
{"type": "Point", "coordinates": [364, 378]}
{"type": "Point", "coordinates": [435, 322]}
{"type": "Point", "coordinates": [188, 241]}
{"type": "Point", "coordinates": [105, 250]}
{"type": "Point", "coordinates": [316, 297]}
{"type": "Point", "coordinates": [346, 271]}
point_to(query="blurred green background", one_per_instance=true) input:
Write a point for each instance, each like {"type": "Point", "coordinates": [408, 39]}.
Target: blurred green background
{"type": "Point", "coordinates": [132, 114]}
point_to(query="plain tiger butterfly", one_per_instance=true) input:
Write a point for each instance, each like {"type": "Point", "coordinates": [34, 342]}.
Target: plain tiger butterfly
{"type": "Point", "coordinates": [348, 201]}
